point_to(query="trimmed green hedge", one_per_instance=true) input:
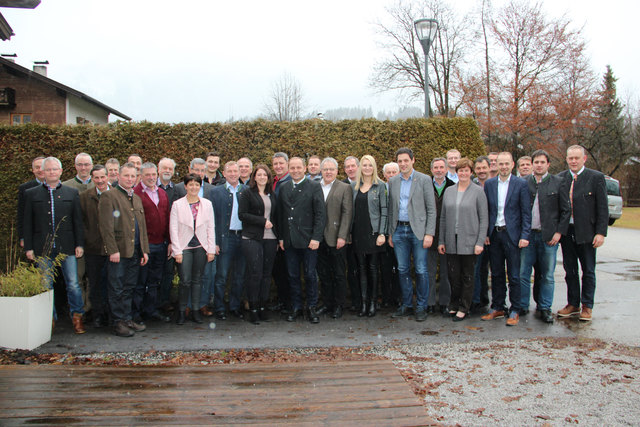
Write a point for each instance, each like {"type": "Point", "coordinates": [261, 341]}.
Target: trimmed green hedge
{"type": "Point", "coordinates": [257, 140]}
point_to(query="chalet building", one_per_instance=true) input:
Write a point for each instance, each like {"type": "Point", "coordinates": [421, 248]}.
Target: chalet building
{"type": "Point", "coordinates": [29, 96]}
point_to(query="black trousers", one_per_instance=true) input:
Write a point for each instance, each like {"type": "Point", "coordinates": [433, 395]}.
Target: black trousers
{"type": "Point", "coordinates": [259, 257]}
{"type": "Point", "coordinates": [331, 269]}
{"type": "Point", "coordinates": [352, 277]}
{"type": "Point", "coordinates": [586, 254]}
{"type": "Point", "coordinates": [461, 278]}
{"type": "Point", "coordinates": [368, 272]}
{"type": "Point", "coordinates": [96, 271]}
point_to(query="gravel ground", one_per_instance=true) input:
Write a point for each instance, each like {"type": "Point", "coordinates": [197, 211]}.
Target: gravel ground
{"type": "Point", "coordinates": [524, 382]}
{"type": "Point", "coordinates": [544, 381]}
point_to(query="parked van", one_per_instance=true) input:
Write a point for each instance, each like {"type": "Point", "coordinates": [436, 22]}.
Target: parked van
{"type": "Point", "coordinates": [614, 199]}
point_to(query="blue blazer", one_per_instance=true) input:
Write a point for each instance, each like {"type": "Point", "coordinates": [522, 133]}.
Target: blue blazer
{"type": "Point", "coordinates": [517, 211]}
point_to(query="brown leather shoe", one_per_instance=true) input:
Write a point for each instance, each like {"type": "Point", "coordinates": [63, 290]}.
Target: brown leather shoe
{"type": "Point", "coordinates": [513, 319]}
{"type": "Point", "coordinates": [585, 315]}
{"type": "Point", "coordinates": [136, 327]}
{"type": "Point", "coordinates": [568, 311]}
{"type": "Point", "coordinates": [121, 329]}
{"type": "Point", "coordinates": [78, 327]}
{"type": "Point", "coordinates": [206, 312]}
{"type": "Point", "coordinates": [494, 314]}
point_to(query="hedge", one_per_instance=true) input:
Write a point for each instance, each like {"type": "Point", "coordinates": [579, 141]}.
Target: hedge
{"type": "Point", "coordinates": [257, 140]}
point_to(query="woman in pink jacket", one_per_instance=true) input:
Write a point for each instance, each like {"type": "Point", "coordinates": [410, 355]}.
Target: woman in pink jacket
{"type": "Point", "coordinates": [193, 243]}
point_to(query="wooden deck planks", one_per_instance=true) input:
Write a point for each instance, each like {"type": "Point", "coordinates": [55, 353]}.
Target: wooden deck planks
{"type": "Point", "coordinates": [326, 393]}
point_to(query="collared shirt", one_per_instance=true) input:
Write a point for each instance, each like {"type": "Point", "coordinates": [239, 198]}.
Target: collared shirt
{"type": "Point", "coordinates": [151, 192]}
{"type": "Point", "coordinates": [574, 177]}
{"type": "Point", "coordinates": [315, 177]}
{"type": "Point", "coordinates": [87, 181]}
{"type": "Point", "coordinates": [164, 187]}
{"type": "Point", "coordinates": [405, 191]}
{"type": "Point", "coordinates": [503, 189]}
{"type": "Point", "coordinates": [129, 192]}
{"type": "Point", "coordinates": [98, 192]}
{"type": "Point", "coordinates": [439, 187]}
{"type": "Point", "coordinates": [326, 188]}
{"type": "Point", "coordinates": [296, 183]}
{"type": "Point", "coordinates": [536, 223]}
{"type": "Point", "coordinates": [235, 223]}
{"type": "Point", "coordinates": [452, 176]}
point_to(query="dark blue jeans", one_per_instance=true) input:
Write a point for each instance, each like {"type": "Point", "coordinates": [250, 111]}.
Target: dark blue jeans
{"type": "Point", "coordinates": [586, 254]}
{"type": "Point", "coordinates": [501, 251]}
{"type": "Point", "coordinates": [123, 277]}
{"type": "Point", "coordinates": [145, 296]}
{"type": "Point", "coordinates": [309, 259]}
{"type": "Point", "coordinates": [229, 259]}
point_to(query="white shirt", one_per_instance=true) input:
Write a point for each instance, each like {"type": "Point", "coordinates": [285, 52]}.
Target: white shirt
{"type": "Point", "coordinates": [503, 189]}
{"type": "Point", "coordinates": [326, 188]}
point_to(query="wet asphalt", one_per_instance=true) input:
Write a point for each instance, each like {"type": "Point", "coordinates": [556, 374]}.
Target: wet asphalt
{"type": "Point", "coordinates": [614, 319]}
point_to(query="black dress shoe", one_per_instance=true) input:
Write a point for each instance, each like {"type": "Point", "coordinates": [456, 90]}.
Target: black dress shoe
{"type": "Point", "coordinates": [182, 317]}
{"type": "Point", "coordinates": [372, 309]}
{"type": "Point", "coordinates": [253, 317]}
{"type": "Point", "coordinates": [196, 316]}
{"type": "Point", "coordinates": [337, 312]}
{"type": "Point", "coordinates": [444, 311]}
{"type": "Point", "coordinates": [322, 310]}
{"type": "Point", "coordinates": [402, 311]}
{"type": "Point", "coordinates": [546, 316]}
{"type": "Point", "coordinates": [238, 313]}
{"type": "Point", "coordinates": [293, 316]}
{"type": "Point", "coordinates": [524, 311]}
{"type": "Point", "coordinates": [100, 321]}
{"type": "Point", "coordinates": [431, 309]}
{"type": "Point", "coordinates": [459, 319]}
{"type": "Point", "coordinates": [263, 315]}
{"type": "Point", "coordinates": [220, 315]}
{"type": "Point", "coordinates": [421, 315]}
{"type": "Point", "coordinates": [122, 330]}
{"type": "Point", "coordinates": [313, 315]}
{"type": "Point", "coordinates": [159, 317]}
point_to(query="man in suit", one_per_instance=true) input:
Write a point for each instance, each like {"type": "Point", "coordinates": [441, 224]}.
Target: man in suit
{"type": "Point", "coordinates": [412, 225]}
{"type": "Point", "coordinates": [280, 165]}
{"type": "Point", "coordinates": [156, 213]}
{"type": "Point", "coordinates": [38, 173]}
{"type": "Point", "coordinates": [53, 226]}
{"type": "Point", "coordinates": [350, 165]}
{"type": "Point", "coordinates": [586, 233]}
{"type": "Point", "coordinates": [95, 253]}
{"type": "Point", "coordinates": [197, 166]}
{"type": "Point", "coordinates": [509, 228]}
{"type": "Point", "coordinates": [441, 182]}
{"type": "Point", "coordinates": [213, 175]}
{"type": "Point", "coordinates": [338, 199]}
{"type": "Point", "coordinates": [124, 232]}
{"type": "Point", "coordinates": [228, 242]}
{"type": "Point", "coordinates": [481, 273]}
{"type": "Point", "coordinates": [301, 220]}
{"type": "Point", "coordinates": [550, 213]}
{"type": "Point", "coordinates": [166, 170]}
{"type": "Point", "coordinates": [82, 180]}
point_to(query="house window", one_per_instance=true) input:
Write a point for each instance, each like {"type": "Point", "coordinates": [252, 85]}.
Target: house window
{"type": "Point", "coordinates": [18, 119]}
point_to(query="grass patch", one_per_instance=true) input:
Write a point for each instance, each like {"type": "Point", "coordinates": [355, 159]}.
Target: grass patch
{"type": "Point", "coordinates": [630, 218]}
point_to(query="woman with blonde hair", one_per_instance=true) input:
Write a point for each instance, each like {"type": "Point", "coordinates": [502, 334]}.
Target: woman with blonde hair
{"type": "Point", "coordinates": [368, 229]}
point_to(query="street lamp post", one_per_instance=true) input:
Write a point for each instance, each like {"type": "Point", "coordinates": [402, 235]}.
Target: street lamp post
{"type": "Point", "coordinates": [426, 30]}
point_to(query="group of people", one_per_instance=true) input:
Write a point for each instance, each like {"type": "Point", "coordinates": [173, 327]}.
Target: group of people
{"type": "Point", "coordinates": [233, 229]}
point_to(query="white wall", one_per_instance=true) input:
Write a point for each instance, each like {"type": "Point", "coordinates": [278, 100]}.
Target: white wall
{"type": "Point", "coordinates": [77, 107]}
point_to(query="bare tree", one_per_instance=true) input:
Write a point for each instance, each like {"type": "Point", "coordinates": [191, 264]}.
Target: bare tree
{"type": "Point", "coordinates": [285, 103]}
{"type": "Point", "coordinates": [403, 67]}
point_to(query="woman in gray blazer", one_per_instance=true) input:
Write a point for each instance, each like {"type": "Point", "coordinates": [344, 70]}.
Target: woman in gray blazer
{"type": "Point", "coordinates": [463, 230]}
{"type": "Point", "coordinates": [368, 230]}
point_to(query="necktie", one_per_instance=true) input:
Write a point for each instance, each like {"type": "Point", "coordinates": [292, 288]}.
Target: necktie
{"type": "Point", "coordinates": [573, 181]}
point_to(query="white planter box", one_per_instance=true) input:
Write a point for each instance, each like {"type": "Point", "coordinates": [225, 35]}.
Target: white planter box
{"type": "Point", "coordinates": [25, 323]}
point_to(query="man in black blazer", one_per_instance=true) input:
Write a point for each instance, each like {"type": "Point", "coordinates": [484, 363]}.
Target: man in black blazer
{"type": "Point", "coordinates": [197, 166]}
{"type": "Point", "coordinates": [38, 173]}
{"type": "Point", "coordinates": [550, 212]}
{"type": "Point", "coordinates": [509, 228]}
{"type": "Point", "coordinates": [350, 165]}
{"type": "Point", "coordinates": [587, 230]}
{"type": "Point", "coordinates": [52, 226]}
{"type": "Point", "coordinates": [301, 220]}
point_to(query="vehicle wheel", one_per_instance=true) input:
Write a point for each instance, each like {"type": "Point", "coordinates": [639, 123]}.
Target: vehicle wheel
{"type": "Point", "coordinates": [611, 221]}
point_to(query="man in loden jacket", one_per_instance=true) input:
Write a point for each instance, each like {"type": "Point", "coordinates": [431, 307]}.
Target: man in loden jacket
{"type": "Point", "coordinates": [53, 226]}
{"type": "Point", "coordinates": [124, 233]}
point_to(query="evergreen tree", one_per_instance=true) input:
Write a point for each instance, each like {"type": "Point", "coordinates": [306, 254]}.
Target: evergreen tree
{"type": "Point", "coordinates": [609, 143]}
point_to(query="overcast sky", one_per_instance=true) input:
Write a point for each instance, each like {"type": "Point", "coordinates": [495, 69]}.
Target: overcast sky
{"type": "Point", "coordinates": [198, 61]}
